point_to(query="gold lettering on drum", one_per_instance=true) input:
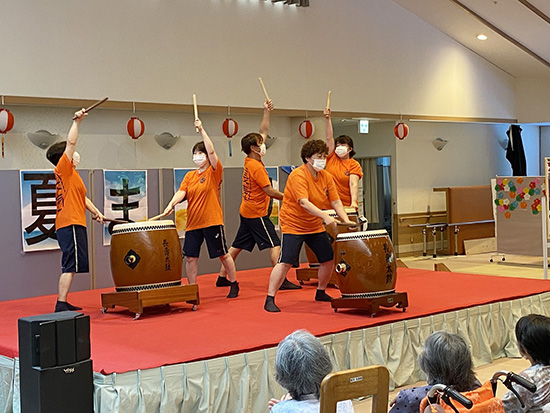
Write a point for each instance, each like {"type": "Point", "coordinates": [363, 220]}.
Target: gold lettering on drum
{"type": "Point", "coordinates": [166, 255]}
{"type": "Point", "coordinates": [389, 258]}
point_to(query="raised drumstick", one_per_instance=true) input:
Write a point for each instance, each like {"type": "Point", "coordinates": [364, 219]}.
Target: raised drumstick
{"type": "Point", "coordinates": [263, 88]}
{"type": "Point", "coordinates": [328, 100]}
{"type": "Point", "coordinates": [89, 108]}
{"type": "Point", "coordinates": [195, 110]}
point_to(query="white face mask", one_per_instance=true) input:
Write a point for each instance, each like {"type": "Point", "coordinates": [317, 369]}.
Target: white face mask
{"type": "Point", "coordinates": [319, 164]}
{"type": "Point", "coordinates": [263, 150]}
{"type": "Point", "coordinates": [199, 159]}
{"type": "Point", "coordinates": [341, 151]}
{"type": "Point", "coordinates": [76, 158]}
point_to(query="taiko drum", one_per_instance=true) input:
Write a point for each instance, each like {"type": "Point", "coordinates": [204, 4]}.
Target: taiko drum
{"type": "Point", "coordinates": [145, 255]}
{"type": "Point", "coordinates": [365, 264]}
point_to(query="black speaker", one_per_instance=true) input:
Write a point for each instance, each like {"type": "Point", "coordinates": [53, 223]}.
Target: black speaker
{"type": "Point", "coordinates": [55, 371]}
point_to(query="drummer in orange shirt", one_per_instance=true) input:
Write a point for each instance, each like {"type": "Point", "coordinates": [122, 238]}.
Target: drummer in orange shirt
{"type": "Point", "coordinates": [204, 211]}
{"type": "Point", "coordinates": [70, 219]}
{"type": "Point", "coordinates": [255, 226]}
{"type": "Point", "coordinates": [341, 165]}
{"type": "Point", "coordinates": [309, 190]}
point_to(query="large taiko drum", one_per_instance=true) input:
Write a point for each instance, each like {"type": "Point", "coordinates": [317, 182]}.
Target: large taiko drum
{"type": "Point", "coordinates": [145, 255]}
{"type": "Point", "coordinates": [333, 232]}
{"type": "Point", "coordinates": [365, 264]}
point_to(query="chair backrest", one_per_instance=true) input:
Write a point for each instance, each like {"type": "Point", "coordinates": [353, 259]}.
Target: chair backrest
{"type": "Point", "coordinates": [350, 384]}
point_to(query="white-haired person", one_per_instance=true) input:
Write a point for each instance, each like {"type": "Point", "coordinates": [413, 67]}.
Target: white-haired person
{"type": "Point", "coordinates": [301, 364]}
{"type": "Point", "coordinates": [533, 336]}
{"type": "Point", "coordinates": [445, 359]}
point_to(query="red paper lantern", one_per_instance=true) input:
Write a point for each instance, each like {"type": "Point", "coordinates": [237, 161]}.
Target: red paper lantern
{"type": "Point", "coordinates": [135, 127]}
{"type": "Point", "coordinates": [230, 128]}
{"type": "Point", "coordinates": [401, 130]}
{"type": "Point", "coordinates": [6, 120]}
{"type": "Point", "coordinates": [306, 129]}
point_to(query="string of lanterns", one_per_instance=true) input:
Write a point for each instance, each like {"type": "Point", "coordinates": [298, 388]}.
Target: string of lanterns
{"type": "Point", "coordinates": [6, 123]}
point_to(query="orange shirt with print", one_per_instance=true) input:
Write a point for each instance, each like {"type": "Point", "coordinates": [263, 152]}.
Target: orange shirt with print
{"type": "Point", "coordinates": [204, 208]}
{"type": "Point", "coordinates": [320, 191]}
{"type": "Point", "coordinates": [341, 170]}
{"type": "Point", "coordinates": [255, 201]}
{"type": "Point", "coordinates": [70, 195]}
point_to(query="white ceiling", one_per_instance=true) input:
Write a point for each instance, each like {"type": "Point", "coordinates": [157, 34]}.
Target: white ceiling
{"type": "Point", "coordinates": [518, 30]}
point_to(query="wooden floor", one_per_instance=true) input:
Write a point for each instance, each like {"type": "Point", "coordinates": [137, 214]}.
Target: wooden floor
{"type": "Point", "coordinates": [512, 266]}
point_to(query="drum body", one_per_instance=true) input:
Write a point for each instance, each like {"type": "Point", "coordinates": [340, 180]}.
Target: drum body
{"type": "Point", "coordinates": [365, 264]}
{"type": "Point", "coordinates": [333, 232]}
{"type": "Point", "coordinates": [146, 255]}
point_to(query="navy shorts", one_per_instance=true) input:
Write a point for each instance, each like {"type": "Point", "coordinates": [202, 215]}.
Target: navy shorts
{"type": "Point", "coordinates": [215, 241]}
{"type": "Point", "coordinates": [73, 241]}
{"type": "Point", "coordinates": [292, 244]}
{"type": "Point", "coordinates": [252, 231]}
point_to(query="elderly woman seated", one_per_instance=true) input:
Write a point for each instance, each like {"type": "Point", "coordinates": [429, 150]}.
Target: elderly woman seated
{"type": "Point", "coordinates": [445, 359]}
{"type": "Point", "coordinates": [533, 336]}
{"type": "Point", "coordinates": [300, 366]}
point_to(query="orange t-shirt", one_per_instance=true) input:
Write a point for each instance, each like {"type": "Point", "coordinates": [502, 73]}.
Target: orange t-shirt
{"type": "Point", "coordinates": [341, 171]}
{"type": "Point", "coordinates": [255, 201]}
{"type": "Point", "coordinates": [320, 192]}
{"type": "Point", "coordinates": [70, 195]}
{"type": "Point", "coordinates": [204, 208]}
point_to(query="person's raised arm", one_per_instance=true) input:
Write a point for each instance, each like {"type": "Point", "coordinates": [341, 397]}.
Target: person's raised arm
{"type": "Point", "coordinates": [210, 151]}
{"type": "Point", "coordinates": [264, 126]}
{"type": "Point", "coordinates": [72, 136]}
{"type": "Point", "coordinates": [176, 199]}
{"type": "Point", "coordinates": [328, 131]}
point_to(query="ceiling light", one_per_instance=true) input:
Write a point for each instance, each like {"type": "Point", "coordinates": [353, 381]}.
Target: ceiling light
{"type": "Point", "coordinates": [481, 37]}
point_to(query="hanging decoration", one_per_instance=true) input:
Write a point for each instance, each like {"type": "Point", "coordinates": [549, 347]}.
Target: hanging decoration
{"type": "Point", "coordinates": [401, 130]}
{"type": "Point", "coordinates": [306, 129]}
{"type": "Point", "coordinates": [6, 123]}
{"type": "Point", "coordinates": [135, 125]}
{"type": "Point", "coordinates": [230, 128]}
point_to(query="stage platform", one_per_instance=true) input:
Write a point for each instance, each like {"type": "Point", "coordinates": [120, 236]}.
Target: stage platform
{"type": "Point", "coordinates": [220, 357]}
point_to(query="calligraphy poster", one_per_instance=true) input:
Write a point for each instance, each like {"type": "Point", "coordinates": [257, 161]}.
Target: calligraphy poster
{"type": "Point", "coordinates": [518, 214]}
{"type": "Point", "coordinates": [274, 204]}
{"type": "Point", "coordinates": [38, 210]}
{"type": "Point", "coordinates": [125, 198]}
{"type": "Point", "coordinates": [181, 208]}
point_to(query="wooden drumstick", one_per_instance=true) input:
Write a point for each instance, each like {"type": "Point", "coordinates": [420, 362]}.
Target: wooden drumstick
{"type": "Point", "coordinates": [328, 100]}
{"type": "Point", "coordinates": [89, 108]}
{"type": "Point", "coordinates": [195, 110]}
{"type": "Point", "coordinates": [158, 216]}
{"type": "Point", "coordinates": [263, 88]}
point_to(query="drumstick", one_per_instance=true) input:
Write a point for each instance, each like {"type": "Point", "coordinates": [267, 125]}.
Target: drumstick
{"type": "Point", "coordinates": [157, 217]}
{"type": "Point", "coordinates": [263, 88]}
{"type": "Point", "coordinates": [328, 100]}
{"type": "Point", "coordinates": [195, 111]}
{"type": "Point", "coordinates": [116, 221]}
{"type": "Point", "coordinates": [89, 108]}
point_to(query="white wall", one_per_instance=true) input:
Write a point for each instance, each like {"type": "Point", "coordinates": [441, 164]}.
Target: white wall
{"type": "Point", "coordinates": [472, 156]}
{"type": "Point", "coordinates": [104, 143]}
{"type": "Point", "coordinates": [533, 100]}
{"type": "Point", "coordinates": [374, 56]}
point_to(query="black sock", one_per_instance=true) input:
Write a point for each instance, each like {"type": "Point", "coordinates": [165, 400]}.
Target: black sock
{"type": "Point", "coordinates": [270, 305]}
{"type": "Point", "coordinates": [321, 295]}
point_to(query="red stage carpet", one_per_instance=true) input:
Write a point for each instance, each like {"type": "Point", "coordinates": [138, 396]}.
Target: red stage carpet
{"type": "Point", "coordinates": [221, 326]}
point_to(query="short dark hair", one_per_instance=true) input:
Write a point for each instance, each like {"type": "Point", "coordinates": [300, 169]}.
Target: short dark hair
{"type": "Point", "coordinates": [199, 146]}
{"type": "Point", "coordinates": [446, 359]}
{"type": "Point", "coordinates": [252, 139]}
{"type": "Point", "coordinates": [312, 147]}
{"type": "Point", "coordinates": [533, 335]}
{"type": "Point", "coordinates": [55, 152]}
{"type": "Point", "coordinates": [345, 140]}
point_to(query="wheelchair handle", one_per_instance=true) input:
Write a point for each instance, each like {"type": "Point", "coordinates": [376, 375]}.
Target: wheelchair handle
{"type": "Point", "coordinates": [447, 393]}
{"type": "Point", "coordinates": [522, 381]}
